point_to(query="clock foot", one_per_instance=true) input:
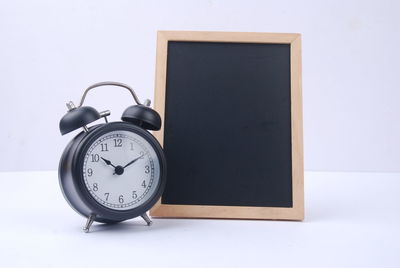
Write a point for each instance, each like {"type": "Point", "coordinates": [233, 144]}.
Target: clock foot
{"type": "Point", "coordinates": [147, 219]}
{"type": "Point", "coordinates": [89, 222]}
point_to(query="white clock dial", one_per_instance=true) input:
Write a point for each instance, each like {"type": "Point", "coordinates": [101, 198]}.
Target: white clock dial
{"type": "Point", "coordinates": [121, 170]}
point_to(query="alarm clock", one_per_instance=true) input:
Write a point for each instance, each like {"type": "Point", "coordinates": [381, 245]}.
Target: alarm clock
{"type": "Point", "coordinates": [112, 171]}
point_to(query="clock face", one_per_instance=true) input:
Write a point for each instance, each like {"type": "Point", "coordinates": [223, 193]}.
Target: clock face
{"type": "Point", "coordinates": [121, 170]}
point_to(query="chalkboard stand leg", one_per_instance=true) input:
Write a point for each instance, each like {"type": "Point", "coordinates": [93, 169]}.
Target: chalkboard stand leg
{"type": "Point", "coordinates": [147, 219]}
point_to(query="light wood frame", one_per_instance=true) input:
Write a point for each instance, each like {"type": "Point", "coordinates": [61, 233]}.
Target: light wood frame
{"type": "Point", "coordinates": [239, 212]}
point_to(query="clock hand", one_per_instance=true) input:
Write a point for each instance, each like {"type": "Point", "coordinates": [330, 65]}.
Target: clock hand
{"type": "Point", "coordinates": [134, 160]}
{"type": "Point", "coordinates": [117, 169]}
{"type": "Point", "coordinates": [108, 162]}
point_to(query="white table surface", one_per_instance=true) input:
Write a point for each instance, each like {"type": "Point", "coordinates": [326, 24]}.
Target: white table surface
{"type": "Point", "coordinates": [352, 220]}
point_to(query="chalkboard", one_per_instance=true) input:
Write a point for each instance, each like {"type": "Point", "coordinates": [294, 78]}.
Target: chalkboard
{"type": "Point", "coordinates": [228, 113]}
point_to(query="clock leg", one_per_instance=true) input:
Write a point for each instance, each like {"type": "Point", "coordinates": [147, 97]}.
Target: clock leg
{"type": "Point", "coordinates": [89, 222]}
{"type": "Point", "coordinates": [147, 219]}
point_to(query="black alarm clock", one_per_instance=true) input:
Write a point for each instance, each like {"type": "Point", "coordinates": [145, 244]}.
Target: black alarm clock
{"type": "Point", "coordinates": [113, 171]}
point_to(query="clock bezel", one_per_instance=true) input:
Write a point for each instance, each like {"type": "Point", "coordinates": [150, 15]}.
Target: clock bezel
{"type": "Point", "coordinates": [98, 209]}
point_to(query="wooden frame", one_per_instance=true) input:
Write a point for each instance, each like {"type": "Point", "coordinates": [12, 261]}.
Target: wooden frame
{"type": "Point", "coordinates": [239, 212]}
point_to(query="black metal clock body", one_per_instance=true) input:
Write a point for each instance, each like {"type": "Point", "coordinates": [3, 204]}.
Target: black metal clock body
{"type": "Point", "coordinates": [71, 174]}
{"type": "Point", "coordinates": [114, 171]}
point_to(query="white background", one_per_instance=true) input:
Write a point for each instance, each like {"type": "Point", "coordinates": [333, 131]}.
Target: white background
{"type": "Point", "coordinates": [342, 229]}
{"type": "Point", "coordinates": [51, 50]}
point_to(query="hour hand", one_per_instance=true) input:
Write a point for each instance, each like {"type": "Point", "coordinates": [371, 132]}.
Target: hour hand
{"type": "Point", "coordinates": [108, 162]}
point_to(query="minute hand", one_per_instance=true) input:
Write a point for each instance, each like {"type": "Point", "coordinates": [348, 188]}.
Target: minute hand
{"type": "Point", "coordinates": [133, 161]}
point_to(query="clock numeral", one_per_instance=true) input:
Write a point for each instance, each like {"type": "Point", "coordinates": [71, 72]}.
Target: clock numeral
{"type": "Point", "coordinates": [90, 172]}
{"type": "Point", "coordinates": [146, 169]}
{"type": "Point", "coordinates": [134, 195]}
{"type": "Point", "coordinates": [132, 146]}
{"type": "Point", "coordinates": [121, 199]}
{"type": "Point", "coordinates": [95, 187]}
{"type": "Point", "coordinates": [95, 157]}
{"type": "Point", "coordinates": [106, 195]}
{"type": "Point", "coordinates": [144, 184]}
{"type": "Point", "coordinates": [104, 147]}
{"type": "Point", "coordinates": [117, 142]}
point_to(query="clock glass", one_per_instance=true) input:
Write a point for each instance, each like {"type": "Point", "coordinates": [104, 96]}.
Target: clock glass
{"type": "Point", "coordinates": [121, 170]}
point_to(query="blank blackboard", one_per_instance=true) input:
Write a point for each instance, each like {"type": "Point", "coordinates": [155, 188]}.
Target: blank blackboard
{"type": "Point", "coordinates": [227, 135]}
